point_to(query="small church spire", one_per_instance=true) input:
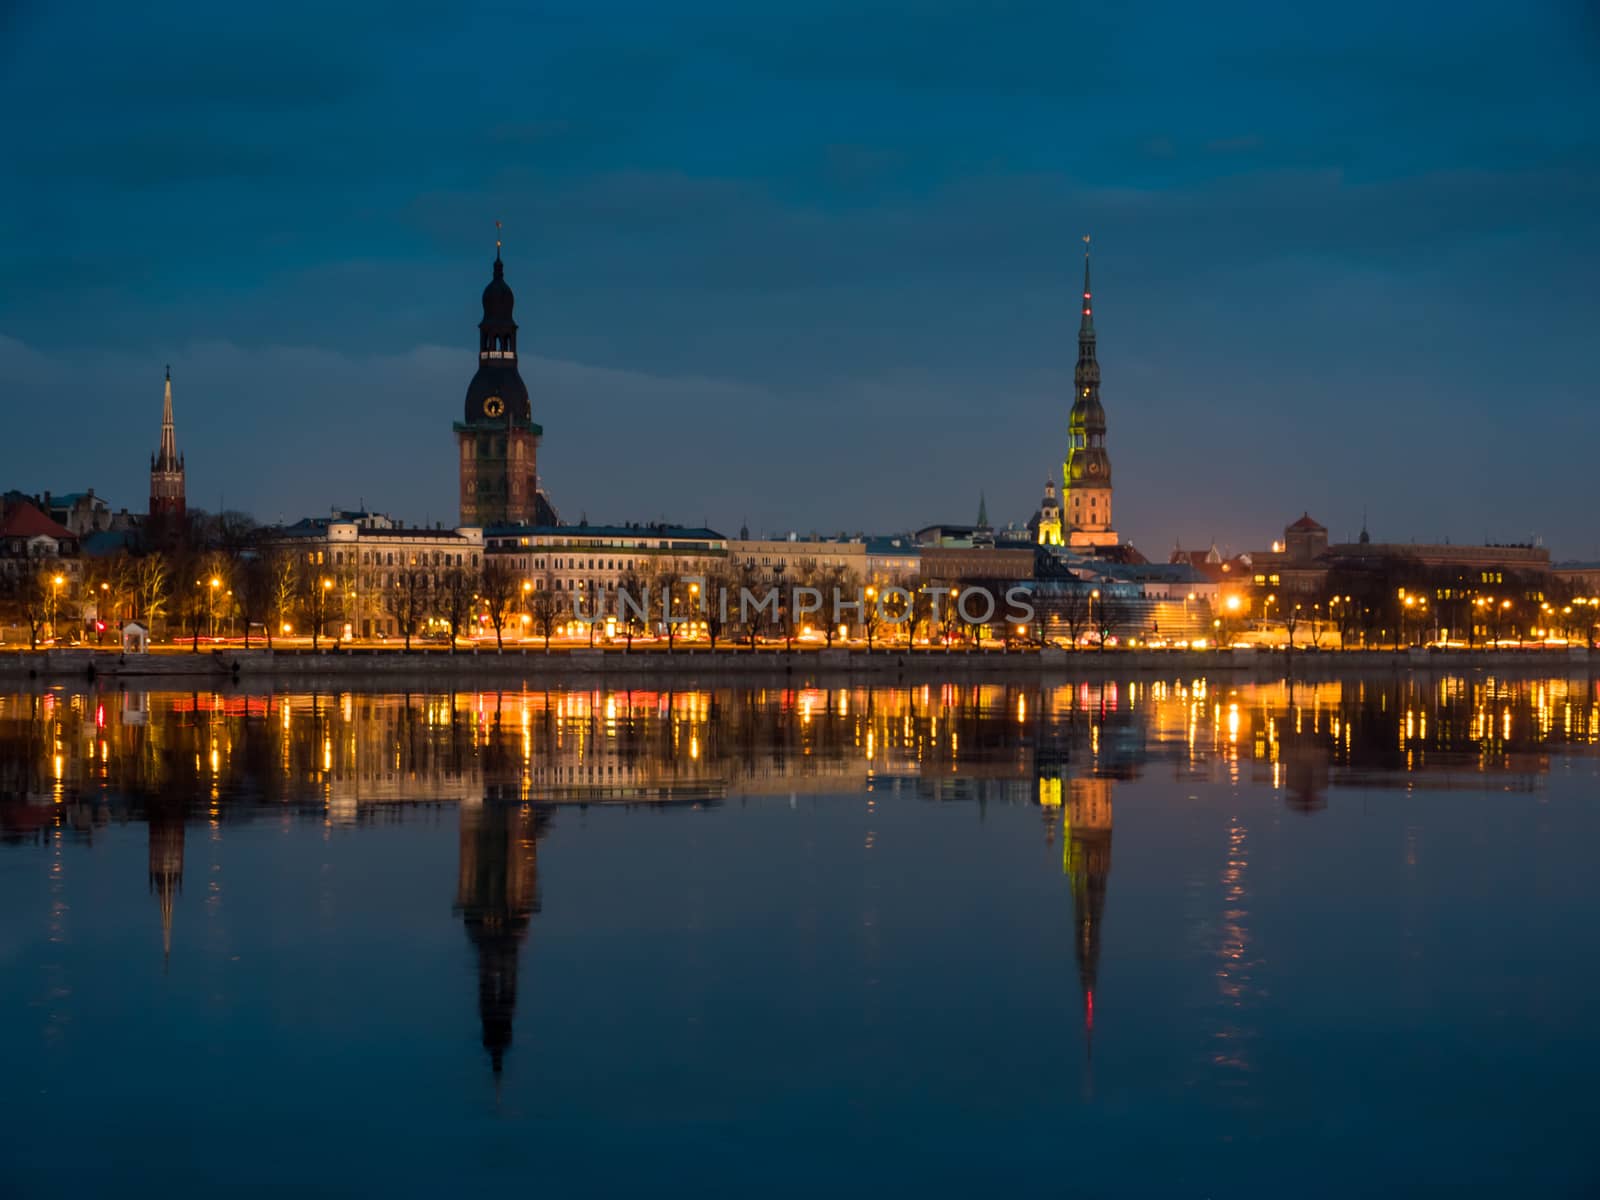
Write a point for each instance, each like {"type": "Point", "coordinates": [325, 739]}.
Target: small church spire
{"type": "Point", "coordinates": [166, 468]}
{"type": "Point", "coordinates": [497, 228]}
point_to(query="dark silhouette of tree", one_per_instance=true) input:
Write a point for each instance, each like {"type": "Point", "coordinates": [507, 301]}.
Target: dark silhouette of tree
{"type": "Point", "coordinates": [25, 588]}
{"type": "Point", "coordinates": [547, 606]}
{"type": "Point", "coordinates": [1073, 609]}
{"type": "Point", "coordinates": [252, 594]}
{"type": "Point", "coordinates": [453, 594]}
{"type": "Point", "coordinates": [314, 592]}
{"type": "Point", "coordinates": [407, 600]}
{"type": "Point", "coordinates": [635, 587]}
{"type": "Point", "coordinates": [500, 588]}
{"type": "Point", "coordinates": [667, 583]}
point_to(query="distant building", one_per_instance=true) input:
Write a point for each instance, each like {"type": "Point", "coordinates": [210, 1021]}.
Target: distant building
{"type": "Point", "coordinates": [1296, 565]}
{"type": "Point", "coordinates": [944, 565]}
{"type": "Point", "coordinates": [28, 535]}
{"type": "Point", "coordinates": [950, 537]}
{"type": "Point", "coordinates": [1583, 578]}
{"type": "Point", "coordinates": [893, 560]}
{"type": "Point", "coordinates": [167, 505]}
{"type": "Point", "coordinates": [362, 557]}
{"type": "Point", "coordinates": [590, 562]}
{"type": "Point", "coordinates": [799, 557]}
{"type": "Point", "coordinates": [85, 513]}
{"type": "Point", "coordinates": [497, 440]}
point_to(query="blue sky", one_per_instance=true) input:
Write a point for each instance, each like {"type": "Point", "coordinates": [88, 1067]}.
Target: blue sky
{"type": "Point", "coordinates": [815, 265]}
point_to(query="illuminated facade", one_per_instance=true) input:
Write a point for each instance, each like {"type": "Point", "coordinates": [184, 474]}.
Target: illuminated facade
{"type": "Point", "coordinates": [1086, 474]}
{"type": "Point", "coordinates": [363, 557]}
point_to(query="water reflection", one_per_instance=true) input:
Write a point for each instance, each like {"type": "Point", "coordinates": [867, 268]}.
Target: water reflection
{"type": "Point", "coordinates": [72, 762]}
{"type": "Point", "coordinates": [496, 894]}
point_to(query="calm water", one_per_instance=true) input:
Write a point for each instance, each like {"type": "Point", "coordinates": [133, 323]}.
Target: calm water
{"type": "Point", "coordinates": [1174, 938]}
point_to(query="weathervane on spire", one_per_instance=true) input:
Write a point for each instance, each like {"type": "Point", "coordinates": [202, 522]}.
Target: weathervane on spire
{"type": "Point", "coordinates": [497, 241]}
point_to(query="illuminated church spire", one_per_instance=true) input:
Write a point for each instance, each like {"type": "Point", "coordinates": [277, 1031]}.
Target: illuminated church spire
{"type": "Point", "coordinates": [1086, 474]}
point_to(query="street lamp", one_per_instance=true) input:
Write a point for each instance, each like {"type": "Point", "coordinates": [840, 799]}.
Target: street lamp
{"type": "Point", "coordinates": [55, 599]}
{"type": "Point", "coordinates": [212, 607]}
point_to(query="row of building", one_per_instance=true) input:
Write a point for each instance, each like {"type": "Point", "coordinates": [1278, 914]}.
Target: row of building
{"type": "Point", "coordinates": [1070, 543]}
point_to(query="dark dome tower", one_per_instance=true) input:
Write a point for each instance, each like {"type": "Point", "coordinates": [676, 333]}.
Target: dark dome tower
{"type": "Point", "coordinates": [497, 439]}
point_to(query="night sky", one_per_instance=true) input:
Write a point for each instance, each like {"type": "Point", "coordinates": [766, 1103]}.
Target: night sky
{"type": "Point", "coordinates": [815, 266]}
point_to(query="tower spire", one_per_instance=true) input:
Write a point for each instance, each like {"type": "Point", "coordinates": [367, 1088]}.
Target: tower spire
{"type": "Point", "coordinates": [497, 241]}
{"type": "Point", "coordinates": [1087, 324]}
{"type": "Point", "coordinates": [168, 458]}
{"type": "Point", "coordinates": [1086, 474]}
{"type": "Point", "coordinates": [166, 467]}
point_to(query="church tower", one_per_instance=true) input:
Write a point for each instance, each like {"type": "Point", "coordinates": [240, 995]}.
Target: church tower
{"type": "Point", "coordinates": [166, 468]}
{"type": "Point", "coordinates": [1047, 525]}
{"type": "Point", "coordinates": [497, 440]}
{"type": "Point", "coordinates": [1086, 475]}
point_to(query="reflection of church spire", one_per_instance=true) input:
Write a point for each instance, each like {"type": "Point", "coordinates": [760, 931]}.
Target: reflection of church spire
{"type": "Point", "coordinates": [166, 865]}
{"type": "Point", "coordinates": [1086, 860]}
{"type": "Point", "coordinates": [496, 892]}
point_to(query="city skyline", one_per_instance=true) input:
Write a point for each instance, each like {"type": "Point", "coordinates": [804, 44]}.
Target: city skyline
{"type": "Point", "coordinates": [711, 333]}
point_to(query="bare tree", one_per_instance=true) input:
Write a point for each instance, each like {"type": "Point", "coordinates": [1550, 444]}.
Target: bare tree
{"type": "Point", "coordinates": [252, 592]}
{"type": "Point", "coordinates": [152, 584]}
{"type": "Point", "coordinates": [1111, 613]}
{"type": "Point", "coordinates": [829, 579]}
{"type": "Point", "coordinates": [713, 608]}
{"type": "Point", "coordinates": [1293, 613]}
{"type": "Point", "coordinates": [547, 607]}
{"type": "Point", "coordinates": [950, 622]}
{"type": "Point", "coordinates": [407, 600]}
{"type": "Point", "coordinates": [453, 596]}
{"type": "Point", "coordinates": [913, 611]}
{"type": "Point", "coordinates": [872, 614]}
{"type": "Point", "coordinates": [314, 592]}
{"type": "Point", "coordinates": [668, 582]}
{"type": "Point", "coordinates": [500, 590]}
{"type": "Point", "coordinates": [26, 594]}
{"type": "Point", "coordinates": [748, 580]}
{"type": "Point", "coordinates": [282, 583]}
{"type": "Point", "coordinates": [1074, 610]}
{"type": "Point", "coordinates": [633, 585]}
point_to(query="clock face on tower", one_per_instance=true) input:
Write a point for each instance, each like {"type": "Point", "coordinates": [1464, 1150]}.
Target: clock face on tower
{"type": "Point", "coordinates": [493, 406]}
{"type": "Point", "coordinates": [1094, 468]}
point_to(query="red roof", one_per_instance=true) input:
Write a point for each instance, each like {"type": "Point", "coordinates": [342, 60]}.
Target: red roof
{"type": "Point", "coordinates": [1306, 525]}
{"type": "Point", "coordinates": [24, 520]}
